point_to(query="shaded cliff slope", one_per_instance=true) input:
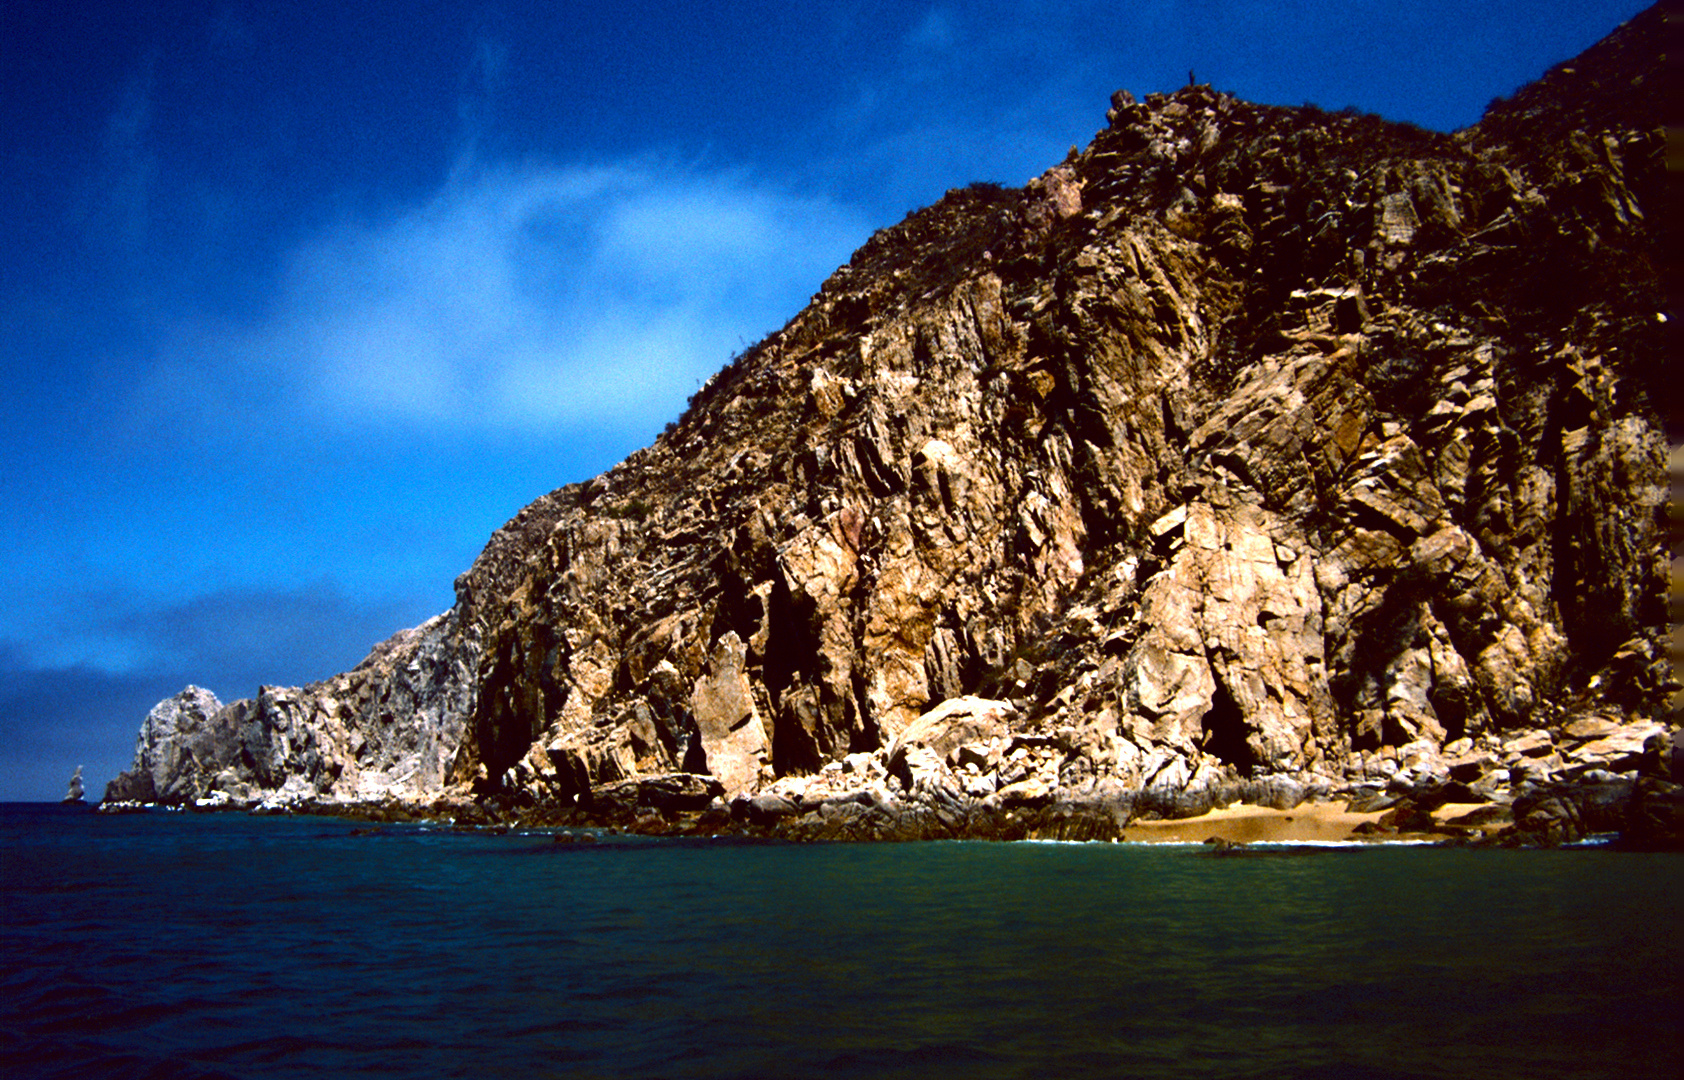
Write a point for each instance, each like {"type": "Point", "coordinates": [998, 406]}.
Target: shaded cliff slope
{"type": "Point", "coordinates": [1249, 449]}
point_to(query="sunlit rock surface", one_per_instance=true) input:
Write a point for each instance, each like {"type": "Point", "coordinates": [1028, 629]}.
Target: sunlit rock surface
{"type": "Point", "coordinates": [1251, 452]}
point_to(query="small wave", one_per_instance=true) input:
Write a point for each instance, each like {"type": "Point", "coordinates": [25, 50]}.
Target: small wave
{"type": "Point", "coordinates": [874, 1061]}
{"type": "Point", "coordinates": [53, 1059]}
{"type": "Point", "coordinates": [274, 1048]}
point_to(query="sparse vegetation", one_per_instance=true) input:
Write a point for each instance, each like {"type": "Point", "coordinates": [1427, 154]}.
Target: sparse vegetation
{"type": "Point", "coordinates": [634, 509]}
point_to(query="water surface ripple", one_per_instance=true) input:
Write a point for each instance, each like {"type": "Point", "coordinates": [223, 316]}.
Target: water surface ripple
{"type": "Point", "coordinates": [222, 946]}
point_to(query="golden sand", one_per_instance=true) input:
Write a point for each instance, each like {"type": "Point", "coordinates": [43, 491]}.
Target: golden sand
{"type": "Point", "coordinates": [1243, 824]}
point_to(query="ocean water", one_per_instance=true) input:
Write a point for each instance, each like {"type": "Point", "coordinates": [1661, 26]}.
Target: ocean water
{"type": "Point", "coordinates": [197, 946]}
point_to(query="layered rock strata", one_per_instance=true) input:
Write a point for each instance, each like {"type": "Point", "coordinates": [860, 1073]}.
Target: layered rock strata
{"type": "Point", "coordinates": [1252, 452]}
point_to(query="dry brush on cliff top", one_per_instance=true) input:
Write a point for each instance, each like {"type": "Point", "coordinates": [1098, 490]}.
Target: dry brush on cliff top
{"type": "Point", "coordinates": [1250, 448]}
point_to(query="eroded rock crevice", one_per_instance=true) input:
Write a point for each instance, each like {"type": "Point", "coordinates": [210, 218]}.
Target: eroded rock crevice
{"type": "Point", "coordinates": [1249, 451]}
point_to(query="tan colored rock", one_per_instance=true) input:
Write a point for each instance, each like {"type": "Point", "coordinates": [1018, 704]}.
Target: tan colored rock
{"type": "Point", "coordinates": [1618, 747]}
{"type": "Point", "coordinates": [1209, 492]}
{"type": "Point", "coordinates": [732, 735]}
{"type": "Point", "coordinates": [959, 722]}
{"type": "Point", "coordinates": [1591, 727]}
{"type": "Point", "coordinates": [1028, 792]}
{"type": "Point", "coordinates": [1530, 744]}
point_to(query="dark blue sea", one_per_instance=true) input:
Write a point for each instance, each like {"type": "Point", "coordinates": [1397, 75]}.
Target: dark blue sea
{"type": "Point", "coordinates": [188, 946]}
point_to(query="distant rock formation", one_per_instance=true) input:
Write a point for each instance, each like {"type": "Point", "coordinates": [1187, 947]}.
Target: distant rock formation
{"type": "Point", "coordinates": [74, 793]}
{"type": "Point", "coordinates": [1252, 452]}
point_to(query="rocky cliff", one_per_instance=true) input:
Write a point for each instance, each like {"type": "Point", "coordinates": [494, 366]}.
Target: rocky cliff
{"type": "Point", "coordinates": [1249, 452]}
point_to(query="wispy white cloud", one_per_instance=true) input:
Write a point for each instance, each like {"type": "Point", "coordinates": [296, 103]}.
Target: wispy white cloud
{"type": "Point", "coordinates": [527, 297]}
{"type": "Point", "coordinates": [478, 89]}
{"type": "Point", "coordinates": [994, 91]}
{"type": "Point", "coordinates": [934, 33]}
{"type": "Point", "coordinates": [239, 636]}
{"type": "Point", "coordinates": [116, 208]}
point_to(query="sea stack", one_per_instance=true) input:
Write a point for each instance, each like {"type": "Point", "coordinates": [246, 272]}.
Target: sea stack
{"type": "Point", "coordinates": [1252, 453]}
{"type": "Point", "coordinates": [74, 793]}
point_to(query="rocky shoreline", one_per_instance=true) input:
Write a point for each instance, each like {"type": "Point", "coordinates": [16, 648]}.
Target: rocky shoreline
{"type": "Point", "coordinates": [961, 774]}
{"type": "Point", "coordinates": [1250, 455]}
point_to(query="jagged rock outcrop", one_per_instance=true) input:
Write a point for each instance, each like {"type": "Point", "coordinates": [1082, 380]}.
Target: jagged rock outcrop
{"type": "Point", "coordinates": [389, 729]}
{"type": "Point", "coordinates": [1250, 452]}
{"type": "Point", "coordinates": [74, 791]}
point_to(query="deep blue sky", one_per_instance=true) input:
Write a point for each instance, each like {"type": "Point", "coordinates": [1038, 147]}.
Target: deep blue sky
{"type": "Point", "coordinates": [301, 303]}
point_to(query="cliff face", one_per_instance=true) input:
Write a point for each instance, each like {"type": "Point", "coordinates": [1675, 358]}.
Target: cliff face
{"type": "Point", "coordinates": [388, 729]}
{"type": "Point", "coordinates": [1249, 450]}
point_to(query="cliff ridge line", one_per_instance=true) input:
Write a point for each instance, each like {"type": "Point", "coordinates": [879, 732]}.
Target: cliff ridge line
{"type": "Point", "coordinates": [1251, 452]}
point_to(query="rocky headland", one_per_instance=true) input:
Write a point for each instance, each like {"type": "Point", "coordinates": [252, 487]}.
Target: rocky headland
{"type": "Point", "coordinates": [1252, 454]}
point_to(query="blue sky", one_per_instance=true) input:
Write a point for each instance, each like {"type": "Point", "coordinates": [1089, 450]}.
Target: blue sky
{"type": "Point", "coordinates": [300, 305]}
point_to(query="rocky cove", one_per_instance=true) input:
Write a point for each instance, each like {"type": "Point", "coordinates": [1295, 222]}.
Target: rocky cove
{"type": "Point", "coordinates": [1251, 454]}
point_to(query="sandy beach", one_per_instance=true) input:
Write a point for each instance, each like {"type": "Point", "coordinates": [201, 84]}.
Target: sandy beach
{"type": "Point", "coordinates": [1243, 824]}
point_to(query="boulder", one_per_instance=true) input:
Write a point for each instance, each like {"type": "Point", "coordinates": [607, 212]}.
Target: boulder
{"type": "Point", "coordinates": [1564, 813]}
{"type": "Point", "coordinates": [958, 723]}
{"type": "Point", "coordinates": [1247, 442]}
{"type": "Point", "coordinates": [732, 736]}
{"type": "Point", "coordinates": [1655, 819]}
{"type": "Point", "coordinates": [1615, 748]}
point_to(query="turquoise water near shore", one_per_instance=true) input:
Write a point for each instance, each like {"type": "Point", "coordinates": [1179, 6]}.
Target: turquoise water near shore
{"type": "Point", "coordinates": [190, 945]}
